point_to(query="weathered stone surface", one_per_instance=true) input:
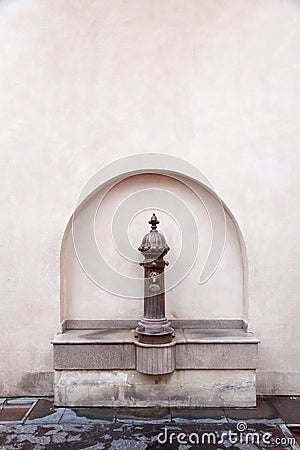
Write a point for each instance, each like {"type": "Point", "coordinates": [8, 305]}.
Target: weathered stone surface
{"type": "Point", "coordinates": [92, 356]}
{"type": "Point", "coordinates": [216, 356]}
{"type": "Point", "coordinates": [218, 388]}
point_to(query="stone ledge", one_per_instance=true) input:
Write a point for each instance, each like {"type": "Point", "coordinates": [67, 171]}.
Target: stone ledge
{"type": "Point", "coordinates": [218, 336]}
{"type": "Point", "coordinates": [195, 349]}
{"type": "Point", "coordinates": [184, 335]}
{"type": "Point", "coordinates": [99, 336]}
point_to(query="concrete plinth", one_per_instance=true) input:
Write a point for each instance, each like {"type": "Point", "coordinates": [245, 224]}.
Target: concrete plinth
{"type": "Point", "coordinates": [214, 388]}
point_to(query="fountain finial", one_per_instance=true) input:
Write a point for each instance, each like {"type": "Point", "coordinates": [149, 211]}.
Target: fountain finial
{"type": "Point", "coordinates": [153, 222]}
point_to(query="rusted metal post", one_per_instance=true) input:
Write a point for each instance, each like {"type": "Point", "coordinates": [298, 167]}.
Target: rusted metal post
{"type": "Point", "coordinates": [154, 328]}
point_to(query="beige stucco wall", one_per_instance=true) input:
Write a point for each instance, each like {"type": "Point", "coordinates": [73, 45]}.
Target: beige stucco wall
{"type": "Point", "coordinates": [85, 82]}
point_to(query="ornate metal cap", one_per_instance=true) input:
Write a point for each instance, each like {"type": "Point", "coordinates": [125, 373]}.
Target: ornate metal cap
{"type": "Point", "coordinates": [154, 243]}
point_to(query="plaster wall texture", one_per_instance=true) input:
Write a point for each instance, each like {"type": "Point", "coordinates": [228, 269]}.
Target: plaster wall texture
{"type": "Point", "coordinates": [85, 82]}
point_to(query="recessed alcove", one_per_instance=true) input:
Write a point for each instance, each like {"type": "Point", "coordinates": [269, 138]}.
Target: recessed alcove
{"type": "Point", "coordinates": [222, 296]}
{"type": "Point", "coordinates": [98, 362]}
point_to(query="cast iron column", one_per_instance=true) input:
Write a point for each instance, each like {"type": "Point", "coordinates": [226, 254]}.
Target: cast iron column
{"type": "Point", "coordinates": [154, 328]}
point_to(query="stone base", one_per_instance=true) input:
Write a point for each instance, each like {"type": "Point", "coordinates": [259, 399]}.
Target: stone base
{"type": "Point", "coordinates": [204, 367]}
{"type": "Point", "coordinates": [185, 388]}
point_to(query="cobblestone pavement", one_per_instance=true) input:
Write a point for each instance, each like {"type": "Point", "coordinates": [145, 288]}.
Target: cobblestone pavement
{"type": "Point", "coordinates": [36, 424]}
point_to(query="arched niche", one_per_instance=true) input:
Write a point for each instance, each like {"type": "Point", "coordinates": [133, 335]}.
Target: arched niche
{"type": "Point", "coordinates": [222, 296]}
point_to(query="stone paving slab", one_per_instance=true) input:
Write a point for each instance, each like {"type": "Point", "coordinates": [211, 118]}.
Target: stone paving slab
{"type": "Point", "coordinates": [296, 433]}
{"type": "Point", "coordinates": [43, 426]}
{"type": "Point", "coordinates": [210, 415]}
{"type": "Point", "coordinates": [142, 414]}
{"type": "Point", "coordinates": [263, 412]}
{"type": "Point", "coordinates": [15, 409]}
{"type": "Point", "coordinates": [288, 408]}
{"type": "Point", "coordinates": [2, 401]}
{"type": "Point", "coordinates": [44, 412]}
{"type": "Point", "coordinates": [134, 436]}
{"type": "Point", "coordinates": [88, 415]}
